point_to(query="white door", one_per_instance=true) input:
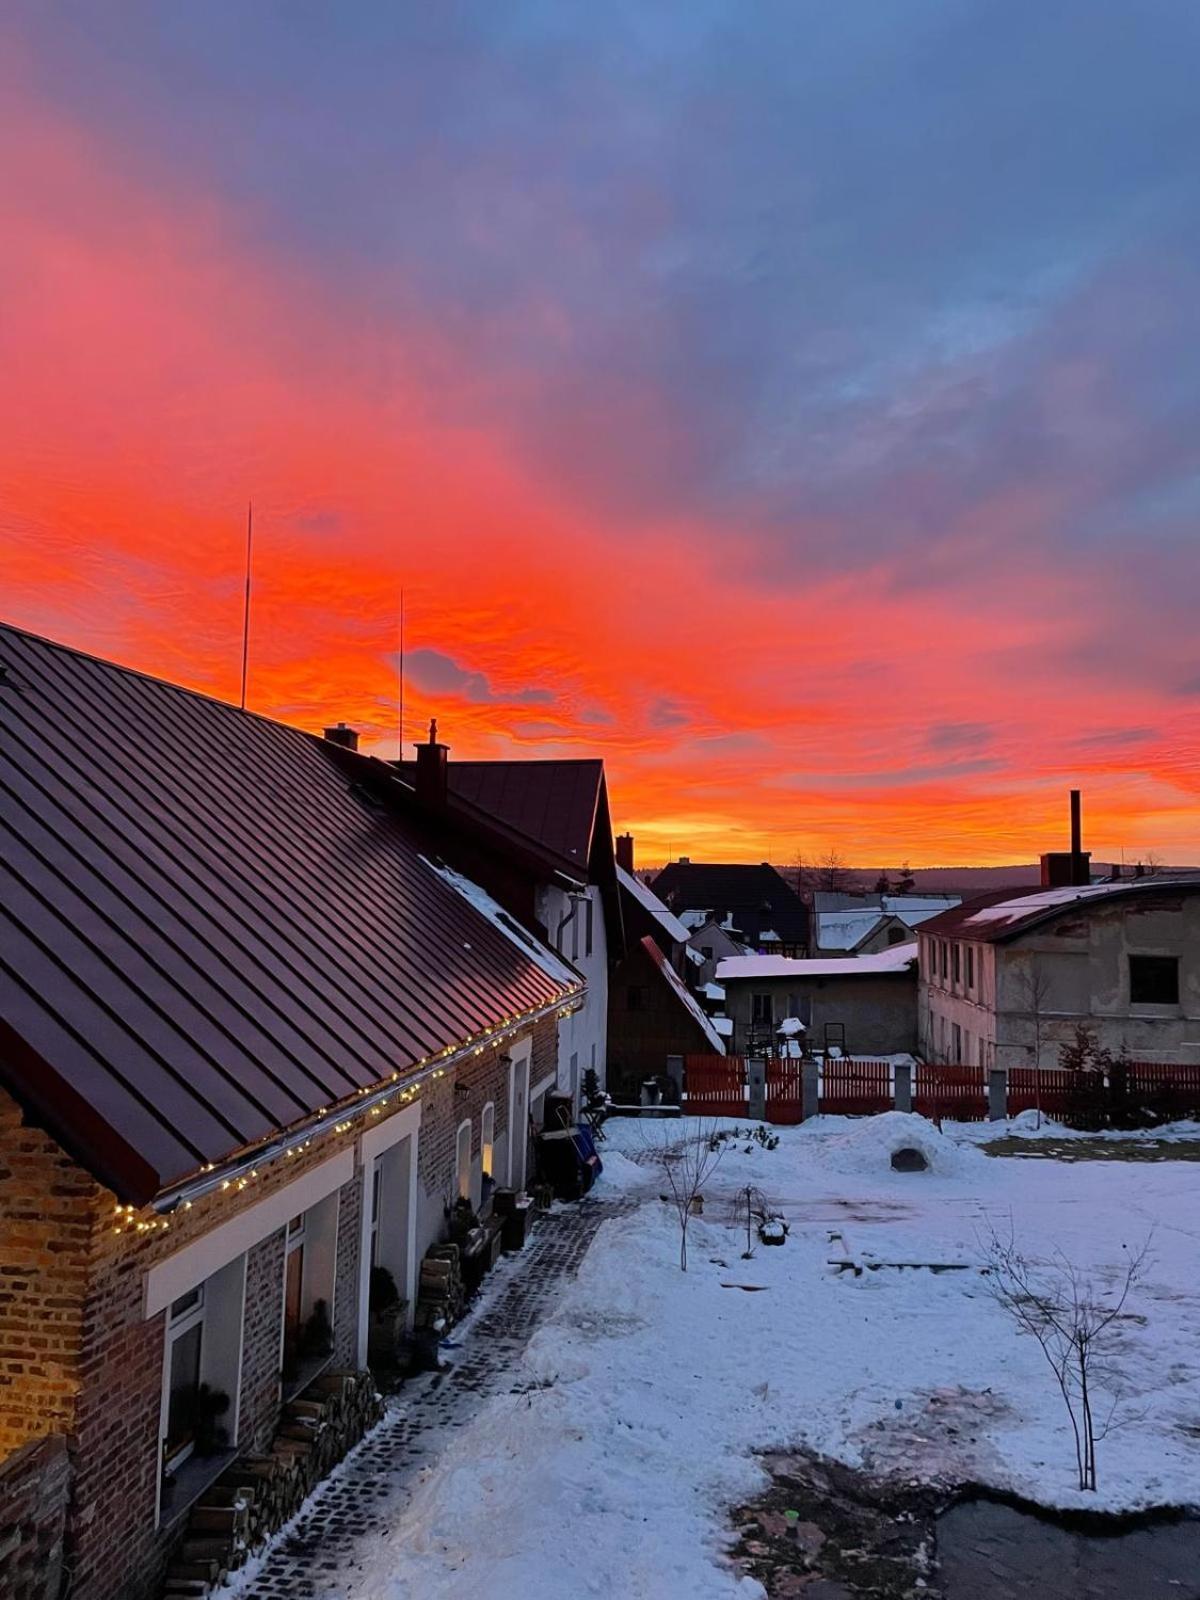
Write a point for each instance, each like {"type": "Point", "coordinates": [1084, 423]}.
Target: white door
{"type": "Point", "coordinates": [518, 1121]}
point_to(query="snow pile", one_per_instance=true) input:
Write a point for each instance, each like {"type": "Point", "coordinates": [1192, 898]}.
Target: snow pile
{"type": "Point", "coordinates": [620, 1172]}
{"type": "Point", "coordinates": [869, 1144]}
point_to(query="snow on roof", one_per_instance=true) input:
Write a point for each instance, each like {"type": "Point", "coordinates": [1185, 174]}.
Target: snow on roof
{"type": "Point", "coordinates": [693, 919]}
{"type": "Point", "coordinates": [845, 930]}
{"type": "Point", "coordinates": [914, 918]}
{"type": "Point", "coordinates": [723, 1025]}
{"type": "Point", "coordinates": [696, 957]}
{"type": "Point", "coordinates": [548, 960]}
{"type": "Point", "coordinates": [672, 926]}
{"type": "Point", "coordinates": [768, 936]}
{"type": "Point", "coordinates": [791, 1025]}
{"type": "Point", "coordinates": [895, 959]}
{"type": "Point", "coordinates": [684, 995]}
{"type": "Point", "coordinates": [904, 903]}
{"type": "Point", "coordinates": [713, 991]}
{"type": "Point", "coordinates": [1028, 905]}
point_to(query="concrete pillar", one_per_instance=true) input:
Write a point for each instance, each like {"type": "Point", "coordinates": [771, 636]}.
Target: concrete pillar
{"type": "Point", "coordinates": [997, 1094]}
{"type": "Point", "coordinates": [903, 1088]}
{"type": "Point", "coordinates": [756, 1083]}
{"type": "Point", "coordinates": [809, 1089]}
{"type": "Point", "coordinates": [675, 1073]}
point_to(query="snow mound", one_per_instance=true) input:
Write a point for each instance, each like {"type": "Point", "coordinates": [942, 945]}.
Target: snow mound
{"type": "Point", "coordinates": [620, 1172]}
{"type": "Point", "coordinates": [868, 1147]}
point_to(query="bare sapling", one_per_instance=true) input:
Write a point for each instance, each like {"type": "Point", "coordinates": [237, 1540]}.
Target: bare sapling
{"type": "Point", "coordinates": [686, 1165]}
{"type": "Point", "coordinates": [1077, 1324]}
{"type": "Point", "coordinates": [1035, 992]}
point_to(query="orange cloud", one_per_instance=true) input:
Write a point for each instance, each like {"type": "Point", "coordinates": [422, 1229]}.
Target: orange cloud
{"type": "Point", "coordinates": [167, 368]}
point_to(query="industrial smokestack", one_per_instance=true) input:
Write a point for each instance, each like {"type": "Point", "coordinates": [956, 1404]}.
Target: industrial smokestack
{"type": "Point", "coordinates": [1076, 825]}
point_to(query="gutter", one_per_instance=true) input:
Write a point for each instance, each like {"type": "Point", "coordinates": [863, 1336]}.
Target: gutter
{"type": "Point", "coordinates": [225, 1174]}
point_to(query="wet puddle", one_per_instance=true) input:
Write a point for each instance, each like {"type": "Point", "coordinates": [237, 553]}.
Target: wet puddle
{"type": "Point", "coordinates": [988, 1550]}
{"type": "Point", "coordinates": [825, 1532]}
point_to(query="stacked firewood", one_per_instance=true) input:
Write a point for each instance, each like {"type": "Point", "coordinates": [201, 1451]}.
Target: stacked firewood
{"type": "Point", "coordinates": [259, 1493]}
{"type": "Point", "coordinates": [441, 1295]}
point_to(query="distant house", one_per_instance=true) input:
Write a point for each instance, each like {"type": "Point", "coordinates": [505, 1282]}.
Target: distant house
{"type": "Point", "coordinates": [653, 1013]}
{"type": "Point", "coordinates": [254, 1045]}
{"type": "Point", "coordinates": [1009, 976]}
{"type": "Point", "coordinates": [754, 900]}
{"type": "Point", "coordinates": [538, 836]}
{"type": "Point", "coordinates": [708, 945]}
{"type": "Point", "coordinates": [872, 922]}
{"type": "Point", "coordinates": [864, 1004]}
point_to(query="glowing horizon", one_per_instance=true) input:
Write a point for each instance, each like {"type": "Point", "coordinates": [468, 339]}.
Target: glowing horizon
{"type": "Point", "coordinates": [839, 493]}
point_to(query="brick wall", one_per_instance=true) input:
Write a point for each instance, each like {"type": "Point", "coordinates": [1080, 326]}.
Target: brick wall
{"type": "Point", "coordinates": [261, 1343]}
{"type": "Point", "coordinates": [46, 1216]}
{"type": "Point", "coordinates": [79, 1358]}
{"type": "Point", "coordinates": [34, 1491]}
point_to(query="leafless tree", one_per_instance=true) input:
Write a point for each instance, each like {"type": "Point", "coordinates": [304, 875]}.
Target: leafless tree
{"type": "Point", "coordinates": [687, 1164]}
{"type": "Point", "coordinates": [832, 872]}
{"type": "Point", "coordinates": [1034, 989]}
{"type": "Point", "coordinates": [1078, 1327]}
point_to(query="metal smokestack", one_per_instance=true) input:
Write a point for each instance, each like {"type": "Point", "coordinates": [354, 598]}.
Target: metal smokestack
{"type": "Point", "coordinates": [1076, 825]}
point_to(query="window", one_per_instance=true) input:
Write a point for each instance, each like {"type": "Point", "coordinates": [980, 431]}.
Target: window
{"type": "Point", "coordinates": [971, 966]}
{"type": "Point", "coordinates": [760, 1009]}
{"type": "Point", "coordinates": [1154, 980]}
{"type": "Point", "coordinates": [487, 1138]}
{"type": "Point", "coordinates": [944, 961]}
{"type": "Point", "coordinates": [956, 1041]}
{"type": "Point", "coordinates": [897, 935]}
{"type": "Point", "coordinates": [185, 1333]}
{"type": "Point", "coordinates": [293, 1292]}
{"type": "Point", "coordinates": [706, 950]}
{"type": "Point", "coordinates": [463, 1159]}
{"type": "Point", "coordinates": [957, 962]}
{"type": "Point", "coordinates": [376, 1198]}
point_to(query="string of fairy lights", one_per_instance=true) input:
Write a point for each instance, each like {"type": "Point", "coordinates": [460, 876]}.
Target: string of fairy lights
{"type": "Point", "coordinates": [373, 1101]}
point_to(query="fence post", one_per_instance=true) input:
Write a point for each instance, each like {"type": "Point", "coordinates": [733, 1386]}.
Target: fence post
{"type": "Point", "coordinates": [756, 1083]}
{"type": "Point", "coordinates": [809, 1089]}
{"type": "Point", "coordinates": [997, 1094]}
{"type": "Point", "coordinates": [903, 1087]}
{"type": "Point", "coordinates": [675, 1073]}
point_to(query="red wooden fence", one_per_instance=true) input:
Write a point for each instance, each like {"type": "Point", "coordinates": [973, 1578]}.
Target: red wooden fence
{"type": "Point", "coordinates": [1057, 1092]}
{"type": "Point", "coordinates": [1161, 1089]}
{"type": "Point", "coordinates": [855, 1088]}
{"type": "Point", "coordinates": [715, 1086]}
{"type": "Point", "coordinates": [785, 1092]}
{"type": "Point", "coordinates": [957, 1094]}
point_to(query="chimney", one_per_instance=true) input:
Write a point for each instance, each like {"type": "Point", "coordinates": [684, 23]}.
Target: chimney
{"type": "Point", "coordinates": [625, 852]}
{"type": "Point", "coordinates": [432, 762]}
{"type": "Point", "coordinates": [1063, 869]}
{"type": "Point", "coordinates": [343, 735]}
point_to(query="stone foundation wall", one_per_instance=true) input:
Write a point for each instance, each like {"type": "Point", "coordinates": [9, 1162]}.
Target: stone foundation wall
{"type": "Point", "coordinates": [34, 1491]}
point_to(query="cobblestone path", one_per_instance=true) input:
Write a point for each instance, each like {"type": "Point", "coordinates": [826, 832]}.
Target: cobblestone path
{"type": "Point", "coordinates": [317, 1558]}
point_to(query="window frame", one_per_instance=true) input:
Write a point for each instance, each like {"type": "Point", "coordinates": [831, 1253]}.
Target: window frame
{"type": "Point", "coordinates": [179, 1324]}
{"type": "Point", "coordinates": [487, 1140]}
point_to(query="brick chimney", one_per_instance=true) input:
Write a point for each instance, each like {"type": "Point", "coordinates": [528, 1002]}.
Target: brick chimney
{"type": "Point", "coordinates": [432, 780]}
{"type": "Point", "coordinates": [625, 852]}
{"type": "Point", "coordinates": [343, 735]}
{"type": "Point", "coordinates": [1072, 868]}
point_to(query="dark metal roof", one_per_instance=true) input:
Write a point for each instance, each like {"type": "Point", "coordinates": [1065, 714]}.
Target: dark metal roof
{"type": "Point", "coordinates": [756, 897]}
{"type": "Point", "coordinates": [207, 935]}
{"type": "Point", "coordinates": [553, 804]}
{"type": "Point", "coordinates": [1006, 913]}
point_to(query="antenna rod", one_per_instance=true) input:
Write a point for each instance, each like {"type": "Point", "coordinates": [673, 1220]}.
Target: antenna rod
{"type": "Point", "coordinates": [400, 714]}
{"type": "Point", "coordinates": [246, 611]}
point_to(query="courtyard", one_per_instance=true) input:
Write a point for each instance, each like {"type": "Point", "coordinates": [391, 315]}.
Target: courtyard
{"type": "Point", "coordinates": [648, 1403]}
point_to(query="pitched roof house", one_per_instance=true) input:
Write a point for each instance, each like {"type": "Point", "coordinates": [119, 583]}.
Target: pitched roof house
{"type": "Point", "coordinates": [652, 1012]}
{"type": "Point", "coordinates": [253, 1041]}
{"type": "Point", "coordinates": [753, 899]}
{"type": "Point", "coordinates": [538, 835]}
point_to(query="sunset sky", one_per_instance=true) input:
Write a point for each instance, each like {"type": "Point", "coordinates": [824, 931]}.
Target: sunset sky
{"type": "Point", "coordinates": [796, 404]}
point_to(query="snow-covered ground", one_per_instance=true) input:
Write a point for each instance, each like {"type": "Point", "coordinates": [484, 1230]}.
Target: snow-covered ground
{"type": "Point", "coordinates": [614, 1478]}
